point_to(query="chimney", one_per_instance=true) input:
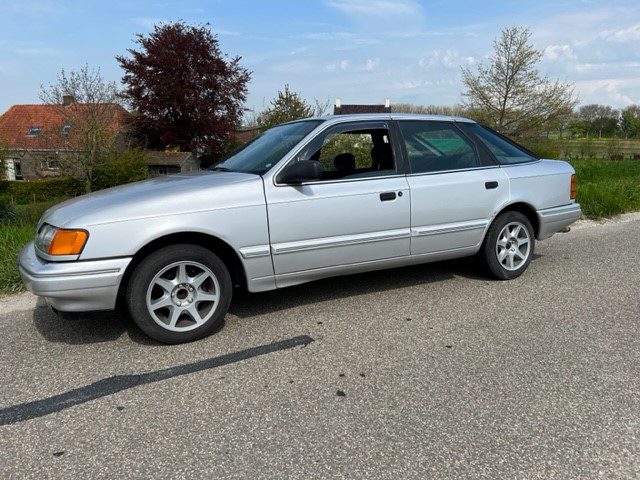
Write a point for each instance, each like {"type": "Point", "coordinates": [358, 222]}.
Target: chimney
{"type": "Point", "coordinates": [387, 103]}
{"type": "Point", "coordinates": [68, 100]}
{"type": "Point", "coordinates": [338, 103]}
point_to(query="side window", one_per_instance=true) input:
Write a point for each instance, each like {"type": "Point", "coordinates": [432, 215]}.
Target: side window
{"type": "Point", "coordinates": [504, 150]}
{"type": "Point", "coordinates": [350, 154]}
{"type": "Point", "coordinates": [437, 147]}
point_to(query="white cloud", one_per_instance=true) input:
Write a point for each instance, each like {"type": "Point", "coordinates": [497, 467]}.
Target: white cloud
{"type": "Point", "coordinates": [372, 63]}
{"type": "Point", "coordinates": [558, 52]}
{"type": "Point", "coordinates": [449, 58]}
{"type": "Point", "coordinates": [344, 64]}
{"type": "Point", "coordinates": [624, 35]}
{"type": "Point", "coordinates": [608, 90]}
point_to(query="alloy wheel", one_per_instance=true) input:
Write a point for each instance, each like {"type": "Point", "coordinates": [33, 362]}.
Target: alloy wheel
{"type": "Point", "coordinates": [513, 246]}
{"type": "Point", "coordinates": [183, 296]}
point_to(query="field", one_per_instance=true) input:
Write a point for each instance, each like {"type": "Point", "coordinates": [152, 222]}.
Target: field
{"type": "Point", "coordinates": [604, 188]}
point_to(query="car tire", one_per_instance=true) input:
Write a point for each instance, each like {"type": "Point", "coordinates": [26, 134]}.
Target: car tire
{"type": "Point", "coordinates": [508, 245]}
{"type": "Point", "coordinates": [179, 293]}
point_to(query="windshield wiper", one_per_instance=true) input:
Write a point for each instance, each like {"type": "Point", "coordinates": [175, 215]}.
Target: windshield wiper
{"type": "Point", "coordinates": [222, 169]}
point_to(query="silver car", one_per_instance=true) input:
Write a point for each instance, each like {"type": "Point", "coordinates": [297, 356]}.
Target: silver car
{"type": "Point", "coordinates": [305, 200]}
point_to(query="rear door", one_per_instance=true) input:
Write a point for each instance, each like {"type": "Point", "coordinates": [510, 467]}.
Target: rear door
{"type": "Point", "coordinates": [455, 189]}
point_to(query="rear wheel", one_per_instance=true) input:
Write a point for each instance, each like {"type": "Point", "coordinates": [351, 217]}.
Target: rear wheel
{"type": "Point", "coordinates": [508, 246]}
{"type": "Point", "coordinates": [179, 294]}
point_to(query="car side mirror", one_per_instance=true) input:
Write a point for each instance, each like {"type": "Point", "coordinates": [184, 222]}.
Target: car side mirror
{"type": "Point", "coordinates": [301, 171]}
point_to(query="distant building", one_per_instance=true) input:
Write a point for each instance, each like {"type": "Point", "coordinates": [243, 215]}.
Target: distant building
{"type": "Point", "coordinates": [37, 136]}
{"type": "Point", "coordinates": [165, 163]}
{"type": "Point", "coordinates": [349, 109]}
{"type": "Point", "coordinates": [243, 135]}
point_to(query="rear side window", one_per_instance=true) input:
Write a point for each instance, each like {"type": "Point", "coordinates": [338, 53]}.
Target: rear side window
{"type": "Point", "coordinates": [504, 150]}
{"type": "Point", "coordinates": [437, 147]}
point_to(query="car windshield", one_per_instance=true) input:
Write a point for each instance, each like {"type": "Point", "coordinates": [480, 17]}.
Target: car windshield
{"type": "Point", "coordinates": [263, 152]}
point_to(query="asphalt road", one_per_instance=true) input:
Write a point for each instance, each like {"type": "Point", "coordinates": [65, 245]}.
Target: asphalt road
{"type": "Point", "coordinates": [424, 372]}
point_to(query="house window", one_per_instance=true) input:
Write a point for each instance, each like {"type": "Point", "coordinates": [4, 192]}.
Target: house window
{"type": "Point", "coordinates": [34, 131]}
{"type": "Point", "coordinates": [50, 163]}
{"type": "Point", "coordinates": [162, 170]}
{"type": "Point", "coordinates": [65, 129]}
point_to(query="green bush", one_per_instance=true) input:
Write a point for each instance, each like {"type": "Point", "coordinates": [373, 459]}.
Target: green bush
{"type": "Point", "coordinates": [122, 167]}
{"type": "Point", "coordinates": [40, 190]}
{"type": "Point", "coordinates": [8, 213]}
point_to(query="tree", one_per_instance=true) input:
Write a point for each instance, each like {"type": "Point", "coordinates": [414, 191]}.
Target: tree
{"type": "Point", "coordinates": [600, 119]}
{"type": "Point", "coordinates": [287, 107]}
{"type": "Point", "coordinates": [185, 92]}
{"type": "Point", "coordinates": [510, 90]}
{"type": "Point", "coordinates": [454, 111]}
{"type": "Point", "coordinates": [90, 114]}
{"type": "Point", "coordinates": [630, 121]}
{"type": "Point", "coordinates": [122, 167]}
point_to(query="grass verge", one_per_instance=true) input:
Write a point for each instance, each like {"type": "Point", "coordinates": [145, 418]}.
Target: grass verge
{"type": "Point", "coordinates": [607, 187]}
{"type": "Point", "coordinates": [13, 236]}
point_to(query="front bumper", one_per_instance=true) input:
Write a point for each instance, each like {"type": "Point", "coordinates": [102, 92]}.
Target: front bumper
{"type": "Point", "coordinates": [79, 286]}
{"type": "Point", "coordinates": [554, 219]}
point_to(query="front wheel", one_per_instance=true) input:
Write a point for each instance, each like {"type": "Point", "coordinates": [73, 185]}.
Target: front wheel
{"type": "Point", "coordinates": [508, 246]}
{"type": "Point", "coordinates": [179, 293]}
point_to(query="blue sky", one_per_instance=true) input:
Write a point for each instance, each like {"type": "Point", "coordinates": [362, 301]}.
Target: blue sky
{"type": "Point", "coordinates": [359, 50]}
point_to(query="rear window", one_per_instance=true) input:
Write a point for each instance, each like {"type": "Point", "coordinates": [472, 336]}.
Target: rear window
{"type": "Point", "coordinates": [507, 152]}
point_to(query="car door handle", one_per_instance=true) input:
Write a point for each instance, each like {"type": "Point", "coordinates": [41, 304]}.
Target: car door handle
{"type": "Point", "coordinates": [387, 196]}
{"type": "Point", "coordinates": [490, 185]}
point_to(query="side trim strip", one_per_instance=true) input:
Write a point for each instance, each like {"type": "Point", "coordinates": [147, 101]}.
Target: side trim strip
{"type": "Point", "coordinates": [339, 241]}
{"type": "Point", "coordinates": [254, 252]}
{"type": "Point", "coordinates": [448, 228]}
{"type": "Point", "coordinates": [70, 274]}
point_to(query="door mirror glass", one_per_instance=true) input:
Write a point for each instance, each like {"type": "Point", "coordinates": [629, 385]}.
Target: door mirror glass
{"type": "Point", "coordinates": [301, 171]}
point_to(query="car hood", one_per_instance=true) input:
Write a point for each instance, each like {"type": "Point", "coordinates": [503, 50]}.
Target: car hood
{"type": "Point", "coordinates": [166, 195]}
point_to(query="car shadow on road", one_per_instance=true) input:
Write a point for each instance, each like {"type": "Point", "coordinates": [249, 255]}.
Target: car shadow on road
{"type": "Point", "coordinates": [87, 328]}
{"type": "Point", "coordinates": [247, 305]}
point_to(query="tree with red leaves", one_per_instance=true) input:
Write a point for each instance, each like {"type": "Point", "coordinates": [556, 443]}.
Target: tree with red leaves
{"type": "Point", "coordinates": [185, 92]}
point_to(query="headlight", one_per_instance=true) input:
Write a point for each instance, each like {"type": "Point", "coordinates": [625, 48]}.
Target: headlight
{"type": "Point", "coordinates": [60, 241]}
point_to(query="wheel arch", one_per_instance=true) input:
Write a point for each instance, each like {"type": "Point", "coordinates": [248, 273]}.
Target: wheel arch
{"type": "Point", "coordinates": [216, 245]}
{"type": "Point", "coordinates": [527, 210]}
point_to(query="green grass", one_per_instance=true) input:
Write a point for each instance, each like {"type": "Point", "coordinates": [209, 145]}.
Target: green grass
{"type": "Point", "coordinates": [12, 239]}
{"type": "Point", "coordinates": [13, 236]}
{"type": "Point", "coordinates": [607, 187]}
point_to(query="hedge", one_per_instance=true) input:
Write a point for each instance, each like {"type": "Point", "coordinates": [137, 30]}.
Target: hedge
{"type": "Point", "coordinates": [23, 192]}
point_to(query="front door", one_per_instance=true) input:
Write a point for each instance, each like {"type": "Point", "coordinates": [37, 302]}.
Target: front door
{"type": "Point", "coordinates": [358, 212]}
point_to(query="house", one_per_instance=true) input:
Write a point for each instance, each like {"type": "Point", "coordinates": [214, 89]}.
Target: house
{"type": "Point", "coordinates": [37, 137]}
{"type": "Point", "coordinates": [164, 163]}
{"type": "Point", "coordinates": [242, 135]}
{"type": "Point", "coordinates": [342, 109]}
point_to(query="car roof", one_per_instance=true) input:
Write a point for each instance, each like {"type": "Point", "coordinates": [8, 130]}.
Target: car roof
{"type": "Point", "coordinates": [394, 116]}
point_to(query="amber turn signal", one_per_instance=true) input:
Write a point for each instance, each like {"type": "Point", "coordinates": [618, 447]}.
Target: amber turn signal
{"type": "Point", "coordinates": [68, 242]}
{"type": "Point", "coordinates": [573, 187]}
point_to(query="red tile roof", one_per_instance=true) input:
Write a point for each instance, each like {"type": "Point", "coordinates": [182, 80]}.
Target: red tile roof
{"type": "Point", "coordinates": [16, 122]}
